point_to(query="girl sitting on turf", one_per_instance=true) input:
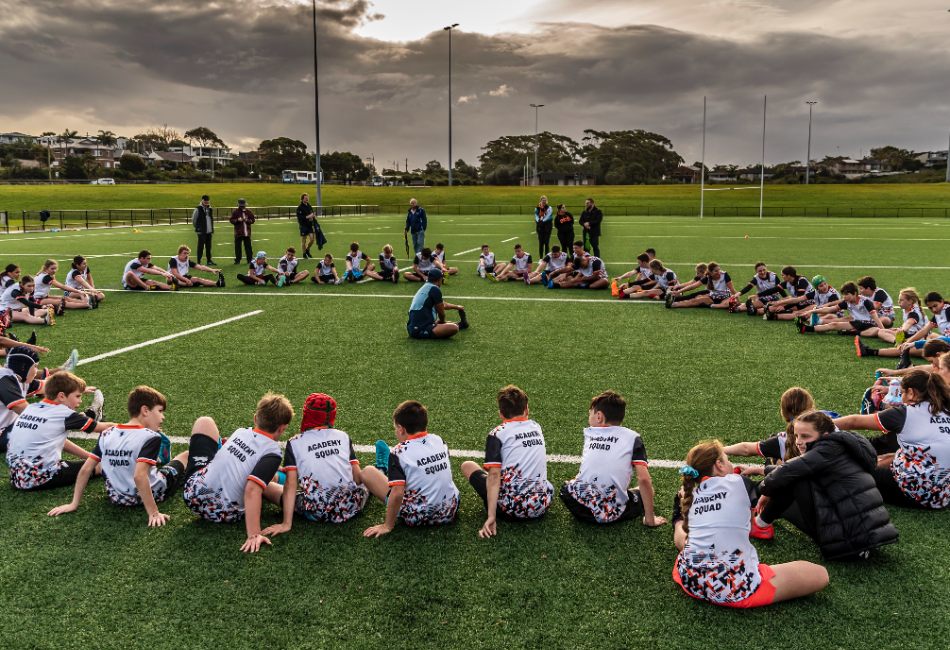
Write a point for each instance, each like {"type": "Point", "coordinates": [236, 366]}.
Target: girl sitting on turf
{"type": "Point", "coordinates": [80, 279]}
{"type": "Point", "coordinates": [821, 295]}
{"type": "Point", "coordinates": [767, 289]}
{"type": "Point", "coordinates": [712, 524]}
{"type": "Point", "coordinates": [18, 298]}
{"type": "Point", "coordinates": [797, 287]}
{"type": "Point", "coordinates": [675, 293]}
{"type": "Point", "coordinates": [46, 280]}
{"type": "Point", "coordinates": [10, 276]}
{"type": "Point", "coordinates": [863, 313]}
{"type": "Point", "coordinates": [663, 277]}
{"type": "Point", "coordinates": [914, 320]}
{"type": "Point", "coordinates": [719, 287]}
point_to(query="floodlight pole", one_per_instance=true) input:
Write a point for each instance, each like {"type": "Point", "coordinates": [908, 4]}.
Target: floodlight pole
{"type": "Point", "coordinates": [316, 110]}
{"type": "Point", "coordinates": [536, 107]}
{"type": "Point", "coordinates": [808, 157]}
{"type": "Point", "coordinates": [702, 165]}
{"type": "Point", "coordinates": [449, 30]}
{"type": "Point", "coordinates": [762, 173]}
{"type": "Point", "coordinates": [948, 165]}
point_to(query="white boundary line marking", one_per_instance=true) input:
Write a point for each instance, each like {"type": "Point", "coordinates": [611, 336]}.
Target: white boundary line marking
{"type": "Point", "coordinates": [375, 295]}
{"type": "Point", "coordinates": [166, 338]}
{"type": "Point", "coordinates": [456, 453]}
{"type": "Point", "coordinates": [471, 250]}
{"type": "Point", "coordinates": [503, 241]}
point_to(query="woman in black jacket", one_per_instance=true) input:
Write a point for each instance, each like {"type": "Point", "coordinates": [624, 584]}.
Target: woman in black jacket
{"type": "Point", "coordinates": [829, 491]}
{"type": "Point", "coordinates": [564, 224]}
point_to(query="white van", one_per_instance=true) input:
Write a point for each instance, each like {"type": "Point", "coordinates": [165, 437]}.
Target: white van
{"type": "Point", "coordinates": [103, 181]}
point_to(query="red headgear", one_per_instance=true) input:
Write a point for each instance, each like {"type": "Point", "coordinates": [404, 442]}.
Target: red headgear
{"type": "Point", "coordinates": [318, 411]}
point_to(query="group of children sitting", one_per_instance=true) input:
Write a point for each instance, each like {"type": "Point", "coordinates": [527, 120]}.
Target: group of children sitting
{"type": "Point", "coordinates": [557, 270]}
{"type": "Point", "coordinates": [30, 299]}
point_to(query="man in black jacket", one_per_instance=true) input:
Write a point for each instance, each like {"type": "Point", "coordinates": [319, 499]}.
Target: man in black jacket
{"type": "Point", "coordinates": [829, 493]}
{"type": "Point", "coordinates": [203, 221]}
{"type": "Point", "coordinates": [590, 220]}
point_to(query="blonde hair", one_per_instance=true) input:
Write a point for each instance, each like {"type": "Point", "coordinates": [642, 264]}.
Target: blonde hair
{"type": "Point", "coordinates": [183, 249]}
{"type": "Point", "coordinates": [911, 294]}
{"type": "Point", "coordinates": [273, 411]}
{"type": "Point", "coordinates": [701, 269]}
{"type": "Point", "coordinates": [795, 401]}
{"type": "Point", "coordinates": [703, 458]}
{"type": "Point", "coordinates": [388, 249]}
{"type": "Point", "coordinates": [47, 264]}
{"type": "Point", "coordinates": [657, 266]}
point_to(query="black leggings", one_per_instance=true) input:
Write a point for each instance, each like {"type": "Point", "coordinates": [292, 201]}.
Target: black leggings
{"type": "Point", "coordinates": [890, 490]}
{"type": "Point", "coordinates": [267, 278]}
{"type": "Point", "coordinates": [246, 241]}
{"type": "Point", "coordinates": [795, 505]}
{"type": "Point", "coordinates": [544, 238]}
{"type": "Point", "coordinates": [204, 242]}
{"type": "Point", "coordinates": [567, 242]}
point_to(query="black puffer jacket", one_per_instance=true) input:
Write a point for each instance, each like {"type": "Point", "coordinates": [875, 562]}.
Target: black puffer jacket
{"type": "Point", "coordinates": [848, 505]}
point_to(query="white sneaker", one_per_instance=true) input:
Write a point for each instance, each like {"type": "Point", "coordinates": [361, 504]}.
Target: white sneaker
{"type": "Point", "coordinates": [338, 281]}
{"type": "Point", "coordinates": [71, 362]}
{"type": "Point", "coordinates": [97, 403]}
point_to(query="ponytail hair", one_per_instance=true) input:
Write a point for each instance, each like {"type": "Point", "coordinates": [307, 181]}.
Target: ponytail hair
{"type": "Point", "coordinates": [46, 265]}
{"type": "Point", "coordinates": [911, 294]}
{"type": "Point", "coordinates": [932, 387]}
{"type": "Point", "coordinates": [77, 261]}
{"type": "Point", "coordinates": [711, 268]}
{"type": "Point", "coordinates": [701, 269]}
{"type": "Point", "coordinates": [795, 401]}
{"type": "Point", "coordinates": [703, 458]}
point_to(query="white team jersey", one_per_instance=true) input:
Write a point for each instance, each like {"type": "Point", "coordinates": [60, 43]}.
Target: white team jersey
{"type": "Point", "coordinates": [517, 448]}
{"type": "Point", "coordinates": [800, 287]}
{"type": "Point", "coordinates": [216, 492]}
{"type": "Point", "coordinates": [607, 462]}
{"type": "Point", "coordinates": [257, 269]}
{"type": "Point", "coordinates": [388, 264]}
{"type": "Point", "coordinates": [822, 299]}
{"type": "Point", "coordinates": [183, 268]}
{"type": "Point", "coordinates": [666, 279]}
{"type": "Point", "coordinates": [883, 301]}
{"type": "Point", "coordinates": [718, 563]}
{"type": "Point", "coordinates": [522, 263]}
{"type": "Point", "coordinates": [555, 262]}
{"type": "Point", "coordinates": [718, 286]}
{"type": "Point", "coordinates": [941, 319]}
{"type": "Point", "coordinates": [356, 259]}
{"type": "Point", "coordinates": [6, 281]}
{"type": "Point", "coordinates": [8, 301]}
{"type": "Point", "coordinates": [288, 266]}
{"type": "Point", "coordinates": [324, 269]}
{"type": "Point", "coordinates": [119, 450]}
{"type": "Point", "coordinates": [323, 460]}
{"type": "Point", "coordinates": [645, 273]}
{"type": "Point", "coordinates": [770, 282]}
{"type": "Point", "coordinates": [136, 267]}
{"type": "Point", "coordinates": [35, 450]}
{"type": "Point", "coordinates": [595, 268]}
{"type": "Point", "coordinates": [422, 465]}
{"type": "Point", "coordinates": [921, 466]}
{"type": "Point", "coordinates": [861, 311]}
{"type": "Point", "coordinates": [13, 392]}
{"type": "Point", "coordinates": [71, 278]}
{"type": "Point", "coordinates": [42, 286]}
{"type": "Point", "coordinates": [918, 318]}
{"type": "Point", "coordinates": [425, 264]}
{"type": "Point", "coordinates": [488, 260]}
{"type": "Point", "coordinates": [439, 256]}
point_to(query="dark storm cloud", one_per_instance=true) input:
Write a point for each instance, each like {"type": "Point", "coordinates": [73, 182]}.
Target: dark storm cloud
{"type": "Point", "coordinates": [243, 68]}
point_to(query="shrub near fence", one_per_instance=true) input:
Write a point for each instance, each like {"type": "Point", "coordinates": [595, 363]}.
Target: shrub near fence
{"type": "Point", "coordinates": [68, 219]}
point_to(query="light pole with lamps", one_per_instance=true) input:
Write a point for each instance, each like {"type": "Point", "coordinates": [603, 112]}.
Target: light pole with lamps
{"type": "Point", "coordinates": [536, 107]}
{"type": "Point", "coordinates": [808, 157]}
{"type": "Point", "coordinates": [449, 30]}
{"type": "Point", "coordinates": [316, 111]}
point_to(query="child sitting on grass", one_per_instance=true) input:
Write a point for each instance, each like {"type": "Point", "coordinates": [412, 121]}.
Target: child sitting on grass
{"type": "Point", "coordinates": [325, 273]}
{"type": "Point", "coordinates": [417, 485]}
{"type": "Point", "coordinates": [600, 492]}
{"type": "Point", "coordinates": [38, 437]}
{"type": "Point", "coordinates": [516, 480]}
{"type": "Point", "coordinates": [129, 455]}
{"type": "Point", "coordinates": [229, 483]}
{"type": "Point", "coordinates": [322, 461]}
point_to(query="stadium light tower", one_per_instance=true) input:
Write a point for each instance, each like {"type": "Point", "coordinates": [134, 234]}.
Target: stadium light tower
{"type": "Point", "coordinates": [808, 157]}
{"type": "Point", "coordinates": [449, 30]}
{"type": "Point", "coordinates": [316, 109]}
{"type": "Point", "coordinates": [536, 107]}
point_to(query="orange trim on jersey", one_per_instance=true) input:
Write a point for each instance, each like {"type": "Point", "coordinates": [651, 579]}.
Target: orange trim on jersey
{"type": "Point", "coordinates": [94, 457]}
{"type": "Point", "coordinates": [418, 435]}
{"type": "Point", "coordinates": [258, 481]}
{"type": "Point", "coordinates": [392, 483]}
{"type": "Point", "coordinates": [492, 465]}
{"type": "Point", "coordinates": [639, 462]}
{"type": "Point", "coordinates": [129, 426]}
{"type": "Point", "coordinates": [264, 433]}
{"type": "Point", "coordinates": [758, 449]}
{"type": "Point", "coordinates": [290, 468]}
{"type": "Point", "coordinates": [879, 425]}
{"type": "Point", "coordinates": [147, 460]}
{"type": "Point", "coordinates": [49, 401]}
{"type": "Point", "coordinates": [88, 424]}
{"type": "Point", "coordinates": [354, 462]}
{"type": "Point", "coordinates": [518, 419]}
{"type": "Point", "coordinates": [38, 390]}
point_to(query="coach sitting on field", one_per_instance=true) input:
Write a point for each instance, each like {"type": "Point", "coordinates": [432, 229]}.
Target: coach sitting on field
{"type": "Point", "coordinates": [427, 312]}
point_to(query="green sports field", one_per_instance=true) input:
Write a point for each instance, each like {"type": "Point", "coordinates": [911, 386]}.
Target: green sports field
{"type": "Point", "coordinates": [100, 578]}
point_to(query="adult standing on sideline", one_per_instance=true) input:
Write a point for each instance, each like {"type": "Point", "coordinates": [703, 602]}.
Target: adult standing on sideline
{"type": "Point", "coordinates": [416, 225]}
{"type": "Point", "coordinates": [203, 221]}
{"type": "Point", "coordinates": [544, 223]}
{"type": "Point", "coordinates": [564, 224]}
{"type": "Point", "coordinates": [591, 219]}
{"type": "Point", "coordinates": [242, 218]}
{"type": "Point", "coordinates": [308, 226]}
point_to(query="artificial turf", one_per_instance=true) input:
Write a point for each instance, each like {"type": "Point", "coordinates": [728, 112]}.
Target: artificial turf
{"type": "Point", "coordinates": [100, 578]}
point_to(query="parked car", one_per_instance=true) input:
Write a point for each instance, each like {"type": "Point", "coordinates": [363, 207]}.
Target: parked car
{"type": "Point", "coordinates": [103, 181]}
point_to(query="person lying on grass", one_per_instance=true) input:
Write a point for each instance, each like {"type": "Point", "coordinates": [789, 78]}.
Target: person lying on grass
{"type": "Point", "coordinates": [514, 481]}
{"type": "Point", "coordinates": [127, 455]}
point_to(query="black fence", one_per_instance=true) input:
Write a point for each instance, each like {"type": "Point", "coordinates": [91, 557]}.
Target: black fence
{"type": "Point", "coordinates": [31, 220]}
{"type": "Point", "coordinates": [688, 211]}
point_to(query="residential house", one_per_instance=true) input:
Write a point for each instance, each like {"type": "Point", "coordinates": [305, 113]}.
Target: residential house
{"type": "Point", "coordinates": [168, 159]}
{"type": "Point", "coordinates": [754, 174]}
{"type": "Point", "coordinates": [687, 175]}
{"type": "Point", "coordinates": [856, 168]}
{"type": "Point", "coordinates": [722, 176]}
{"type": "Point", "coordinates": [931, 158]}
{"type": "Point", "coordinates": [250, 158]}
{"type": "Point", "coordinates": [559, 178]}
{"type": "Point", "coordinates": [220, 155]}
{"type": "Point", "coordinates": [12, 138]}
{"type": "Point", "coordinates": [104, 155]}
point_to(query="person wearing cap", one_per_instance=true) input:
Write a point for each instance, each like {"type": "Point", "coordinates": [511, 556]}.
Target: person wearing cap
{"type": "Point", "coordinates": [242, 218]}
{"type": "Point", "coordinates": [322, 462]}
{"type": "Point", "coordinates": [258, 271]}
{"type": "Point", "coordinates": [427, 312]}
{"type": "Point", "coordinates": [203, 221]}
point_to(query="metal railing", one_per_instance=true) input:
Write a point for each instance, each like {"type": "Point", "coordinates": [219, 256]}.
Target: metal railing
{"type": "Point", "coordinates": [111, 218]}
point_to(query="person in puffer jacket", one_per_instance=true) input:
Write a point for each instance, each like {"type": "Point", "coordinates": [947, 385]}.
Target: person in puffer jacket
{"type": "Point", "coordinates": [828, 492]}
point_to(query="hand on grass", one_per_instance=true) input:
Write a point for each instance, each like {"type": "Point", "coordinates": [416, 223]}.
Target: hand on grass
{"type": "Point", "coordinates": [377, 531]}
{"type": "Point", "coordinates": [254, 543]}
{"type": "Point", "coordinates": [489, 529]}
{"type": "Point", "coordinates": [158, 519]}
{"type": "Point", "coordinates": [276, 529]}
{"type": "Point", "coordinates": [61, 510]}
{"type": "Point", "coordinates": [654, 521]}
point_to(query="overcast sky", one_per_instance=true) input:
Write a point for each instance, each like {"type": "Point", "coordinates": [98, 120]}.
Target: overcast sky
{"type": "Point", "coordinates": [877, 68]}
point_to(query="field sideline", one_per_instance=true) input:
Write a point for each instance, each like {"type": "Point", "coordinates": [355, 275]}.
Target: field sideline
{"type": "Point", "coordinates": [100, 578]}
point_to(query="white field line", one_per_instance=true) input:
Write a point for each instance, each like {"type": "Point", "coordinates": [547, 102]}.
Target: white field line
{"type": "Point", "coordinates": [457, 453]}
{"type": "Point", "coordinates": [167, 338]}
{"type": "Point", "coordinates": [373, 295]}
{"type": "Point", "coordinates": [796, 265]}
{"type": "Point", "coordinates": [503, 241]}
{"type": "Point", "coordinates": [471, 250]}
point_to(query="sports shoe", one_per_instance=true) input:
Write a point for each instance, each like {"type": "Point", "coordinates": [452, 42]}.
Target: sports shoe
{"type": "Point", "coordinates": [848, 332]}
{"type": "Point", "coordinates": [61, 307]}
{"type": "Point", "coordinates": [494, 278]}
{"type": "Point", "coordinates": [95, 300]}
{"type": "Point", "coordinates": [623, 296]}
{"type": "Point", "coordinates": [463, 320]}
{"type": "Point", "coordinates": [382, 457]}
{"type": "Point", "coordinates": [173, 284]}
{"type": "Point", "coordinates": [49, 320]}
{"type": "Point", "coordinates": [338, 281]}
{"type": "Point", "coordinates": [524, 276]}
{"type": "Point", "coordinates": [544, 277]}
{"type": "Point", "coordinates": [313, 278]}
{"type": "Point", "coordinates": [862, 348]}
{"type": "Point", "coordinates": [900, 337]}
{"type": "Point", "coordinates": [761, 533]}
{"type": "Point", "coordinates": [481, 271]}
{"type": "Point", "coordinates": [550, 284]}
{"type": "Point", "coordinates": [905, 361]}
{"type": "Point", "coordinates": [220, 280]}
{"type": "Point", "coordinates": [867, 402]}
{"type": "Point", "coordinates": [733, 303]}
{"type": "Point", "coordinates": [70, 364]}
{"type": "Point", "coordinates": [749, 308]}
{"type": "Point", "coordinates": [32, 339]}
{"type": "Point", "coordinates": [770, 315]}
{"type": "Point", "coordinates": [97, 403]}
{"type": "Point", "coordinates": [815, 319]}
{"type": "Point", "coordinates": [280, 282]}
{"type": "Point", "coordinates": [669, 301]}
{"type": "Point", "coordinates": [211, 263]}
{"type": "Point", "coordinates": [802, 327]}
{"type": "Point", "coordinates": [614, 291]}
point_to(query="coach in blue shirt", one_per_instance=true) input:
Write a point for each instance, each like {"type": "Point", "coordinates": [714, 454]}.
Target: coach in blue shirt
{"type": "Point", "coordinates": [416, 224]}
{"type": "Point", "coordinates": [427, 312]}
